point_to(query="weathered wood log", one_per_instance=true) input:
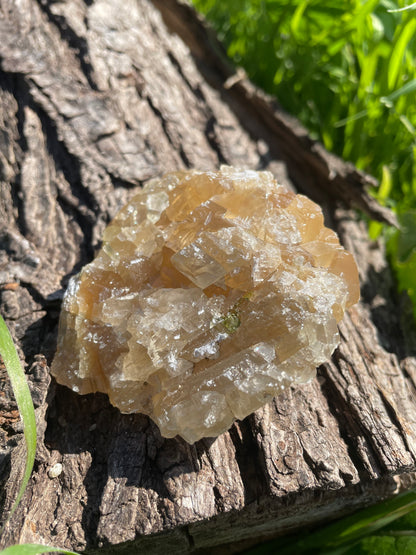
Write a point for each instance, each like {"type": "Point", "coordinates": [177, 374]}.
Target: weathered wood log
{"type": "Point", "coordinates": [96, 98]}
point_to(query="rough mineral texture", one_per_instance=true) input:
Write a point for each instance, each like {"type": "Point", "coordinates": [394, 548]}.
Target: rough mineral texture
{"type": "Point", "coordinates": [212, 292]}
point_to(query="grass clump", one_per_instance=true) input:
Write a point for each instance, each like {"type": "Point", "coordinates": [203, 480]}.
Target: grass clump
{"type": "Point", "coordinates": [347, 70]}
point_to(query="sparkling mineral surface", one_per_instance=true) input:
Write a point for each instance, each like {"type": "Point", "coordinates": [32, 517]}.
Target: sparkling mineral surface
{"type": "Point", "coordinates": [211, 293]}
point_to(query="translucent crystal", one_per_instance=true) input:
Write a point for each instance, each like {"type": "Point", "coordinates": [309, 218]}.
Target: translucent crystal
{"type": "Point", "coordinates": [212, 292]}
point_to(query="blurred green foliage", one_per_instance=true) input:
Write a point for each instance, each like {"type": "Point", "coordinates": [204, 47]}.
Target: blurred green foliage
{"type": "Point", "coordinates": [398, 538]}
{"type": "Point", "coordinates": [388, 528]}
{"type": "Point", "coordinates": [347, 70]}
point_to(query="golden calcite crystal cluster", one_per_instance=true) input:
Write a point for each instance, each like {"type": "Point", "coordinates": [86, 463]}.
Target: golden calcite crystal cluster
{"type": "Point", "coordinates": [211, 293]}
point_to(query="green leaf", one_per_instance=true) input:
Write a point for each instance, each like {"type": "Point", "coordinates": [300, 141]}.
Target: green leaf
{"type": "Point", "coordinates": [24, 404]}
{"type": "Point", "coordinates": [297, 16]}
{"type": "Point", "coordinates": [384, 545]}
{"type": "Point", "coordinates": [363, 11]}
{"type": "Point", "coordinates": [396, 58]}
{"type": "Point", "coordinates": [33, 549]}
{"type": "Point", "coordinates": [363, 522]}
{"type": "Point", "coordinates": [409, 87]}
{"type": "Point", "coordinates": [386, 185]}
{"type": "Point", "coordinates": [406, 239]}
{"type": "Point", "coordinates": [337, 538]}
{"type": "Point", "coordinates": [359, 115]}
{"type": "Point", "coordinates": [410, 7]}
{"type": "Point", "coordinates": [405, 523]}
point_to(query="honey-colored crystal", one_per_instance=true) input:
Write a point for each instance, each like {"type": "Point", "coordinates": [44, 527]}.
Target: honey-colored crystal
{"type": "Point", "coordinates": [211, 293]}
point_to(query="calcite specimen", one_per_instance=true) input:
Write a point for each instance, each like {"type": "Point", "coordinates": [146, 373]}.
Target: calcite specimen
{"type": "Point", "coordinates": [211, 293]}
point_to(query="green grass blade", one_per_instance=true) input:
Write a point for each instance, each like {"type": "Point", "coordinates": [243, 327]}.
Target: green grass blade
{"type": "Point", "coordinates": [297, 16]}
{"type": "Point", "coordinates": [24, 403]}
{"type": "Point", "coordinates": [355, 117]}
{"type": "Point", "coordinates": [362, 12]}
{"type": "Point", "coordinates": [338, 537]}
{"type": "Point", "coordinates": [33, 549]}
{"type": "Point", "coordinates": [396, 59]}
{"type": "Point", "coordinates": [406, 89]}
{"type": "Point", "coordinates": [386, 100]}
{"type": "Point", "coordinates": [386, 185]}
{"type": "Point", "coordinates": [360, 524]}
{"type": "Point", "coordinates": [410, 7]}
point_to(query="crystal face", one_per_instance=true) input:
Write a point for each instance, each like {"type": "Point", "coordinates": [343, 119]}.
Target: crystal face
{"type": "Point", "coordinates": [211, 293]}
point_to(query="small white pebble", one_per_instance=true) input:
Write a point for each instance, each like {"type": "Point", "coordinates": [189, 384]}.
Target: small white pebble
{"type": "Point", "coordinates": [55, 470]}
{"type": "Point", "coordinates": [92, 427]}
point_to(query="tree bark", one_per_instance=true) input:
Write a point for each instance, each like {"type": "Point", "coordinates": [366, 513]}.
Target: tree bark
{"type": "Point", "coordinates": [96, 97]}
